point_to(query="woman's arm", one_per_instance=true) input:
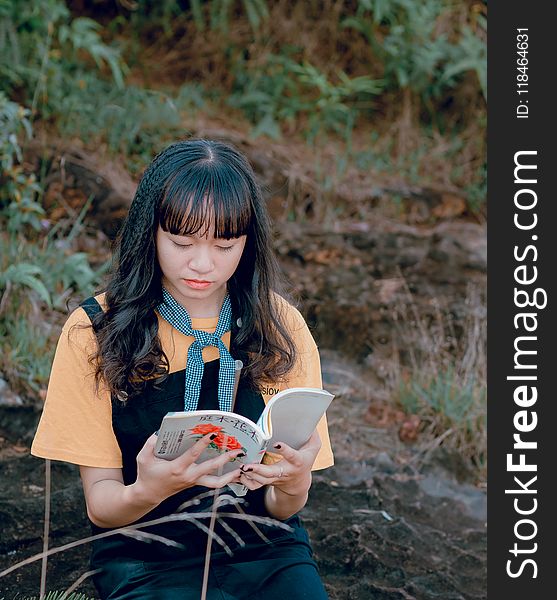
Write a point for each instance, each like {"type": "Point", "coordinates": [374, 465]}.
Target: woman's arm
{"type": "Point", "coordinates": [110, 503]}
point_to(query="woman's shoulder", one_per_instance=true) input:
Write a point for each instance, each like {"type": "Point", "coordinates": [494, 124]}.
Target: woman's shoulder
{"type": "Point", "coordinates": [78, 322]}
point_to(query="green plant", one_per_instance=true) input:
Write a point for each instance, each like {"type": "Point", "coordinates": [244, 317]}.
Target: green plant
{"type": "Point", "coordinates": [36, 272]}
{"type": "Point", "coordinates": [439, 374]}
{"type": "Point", "coordinates": [18, 189]}
{"type": "Point", "coordinates": [469, 54]}
{"type": "Point", "coordinates": [418, 46]}
{"type": "Point", "coordinates": [35, 275]}
{"type": "Point", "coordinates": [220, 12]}
{"type": "Point", "coordinates": [40, 44]}
{"type": "Point", "coordinates": [25, 275]}
{"type": "Point", "coordinates": [50, 268]}
{"type": "Point", "coordinates": [446, 401]}
{"type": "Point", "coordinates": [132, 121]}
{"type": "Point", "coordinates": [283, 91]}
{"type": "Point", "coordinates": [216, 15]}
{"type": "Point", "coordinates": [27, 352]}
{"type": "Point", "coordinates": [476, 192]}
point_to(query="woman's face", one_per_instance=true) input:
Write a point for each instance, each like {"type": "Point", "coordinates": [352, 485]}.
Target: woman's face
{"type": "Point", "coordinates": [195, 268]}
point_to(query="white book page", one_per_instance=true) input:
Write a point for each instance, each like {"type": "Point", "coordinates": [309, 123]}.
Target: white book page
{"type": "Point", "coordinates": [292, 415]}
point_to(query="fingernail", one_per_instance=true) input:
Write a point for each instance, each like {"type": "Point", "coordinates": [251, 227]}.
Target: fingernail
{"type": "Point", "coordinates": [277, 446]}
{"type": "Point", "coordinates": [212, 436]}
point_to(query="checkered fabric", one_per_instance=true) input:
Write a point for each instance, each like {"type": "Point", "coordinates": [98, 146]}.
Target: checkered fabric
{"type": "Point", "coordinates": [175, 314]}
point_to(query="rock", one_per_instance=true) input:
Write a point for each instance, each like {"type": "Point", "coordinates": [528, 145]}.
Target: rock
{"type": "Point", "coordinates": [460, 246]}
{"type": "Point", "coordinates": [385, 463]}
{"type": "Point", "coordinates": [8, 398]}
{"type": "Point", "coordinates": [353, 280]}
{"type": "Point", "coordinates": [472, 500]}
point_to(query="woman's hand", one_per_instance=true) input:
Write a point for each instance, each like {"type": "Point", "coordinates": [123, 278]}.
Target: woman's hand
{"type": "Point", "coordinates": [291, 475]}
{"type": "Point", "coordinates": [110, 503]}
{"type": "Point", "coordinates": [158, 478]}
{"type": "Point", "coordinates": [289, 480]}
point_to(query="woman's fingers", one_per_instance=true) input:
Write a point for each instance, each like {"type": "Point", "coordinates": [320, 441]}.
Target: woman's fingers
{"type": "Point", "coordinates": [292, 474]}
{"type": "Point", "coordinates": [211, 465]}
{"type": "Point", "coordinates": [193, 454]}
{"type": "Point", "coordinates": [188, 470]}
{"type": "Point", "coordinates": [285, 451]}
{"type": "Point", "coordinates": [260, 479]}
{"type": "Point", "coordinates": [267, 474]}
{"type": "Point", "coordinates": [218, 481]}
{"type": "Point", "coordinates": [249, 482]}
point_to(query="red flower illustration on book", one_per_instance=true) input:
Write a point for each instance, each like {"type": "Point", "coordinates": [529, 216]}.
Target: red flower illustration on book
{"type": "Point", "coordinates": [205, 428]}
{"type": "Point", "coordinates": [226, 442]}
{"type": "Point", "coordinates": [223, 442]}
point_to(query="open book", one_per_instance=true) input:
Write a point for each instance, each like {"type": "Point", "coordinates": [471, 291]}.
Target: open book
{"type": "Point", "coordinates": [290, 417]}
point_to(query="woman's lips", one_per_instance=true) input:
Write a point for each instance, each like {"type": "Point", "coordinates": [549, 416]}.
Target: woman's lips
{"type": "Point", "coordinates": [196, 284]}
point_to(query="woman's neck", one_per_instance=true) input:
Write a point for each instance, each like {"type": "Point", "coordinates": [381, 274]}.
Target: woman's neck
{"type": "Point", "coordinates": [203, 312]}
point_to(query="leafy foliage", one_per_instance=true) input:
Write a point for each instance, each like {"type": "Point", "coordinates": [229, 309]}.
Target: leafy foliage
{"type": "Point", "coordinates": [18, 189]}
{"type": "Point", "coordinates": [220, 12]}
{"type": "Point", "coordinates": [283, 91]}
{"type": "Point", "coordinates": [35, 272]}
{"type": "Point", "coordinates": [449, 401]}
{"type": "Point", "coordinates": [416, 51]}
{"type": "Point", "coordinates": [133, 121]}
{"type": "Point", "coordinates": [42, 47]}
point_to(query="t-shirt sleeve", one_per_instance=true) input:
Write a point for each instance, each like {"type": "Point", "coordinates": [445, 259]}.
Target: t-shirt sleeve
{"type": "Point", "coordinates": [76, 422]}
{"type": "Point", "coordinates": [307, 373]}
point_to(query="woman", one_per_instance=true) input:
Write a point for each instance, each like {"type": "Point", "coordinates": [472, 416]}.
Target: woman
{"type": "Point", "coordinates": [194, 287]}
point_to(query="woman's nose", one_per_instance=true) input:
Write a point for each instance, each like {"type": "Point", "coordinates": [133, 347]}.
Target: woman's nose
{"type": "Point", "coordinates": [201, 261]}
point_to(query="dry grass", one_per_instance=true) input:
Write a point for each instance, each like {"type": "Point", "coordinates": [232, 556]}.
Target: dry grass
{"type": "Point", "coordinates": [136, 531]}
{"type": "Point", "coordinates": [438, 372]}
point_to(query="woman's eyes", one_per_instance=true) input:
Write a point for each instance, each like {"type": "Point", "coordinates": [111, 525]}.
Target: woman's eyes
{"type": "Point", "coordinates": [221, 248]}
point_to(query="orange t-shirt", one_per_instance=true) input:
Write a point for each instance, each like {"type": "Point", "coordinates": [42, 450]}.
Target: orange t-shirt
{"type": "Point", "coordinates": [76, 423]}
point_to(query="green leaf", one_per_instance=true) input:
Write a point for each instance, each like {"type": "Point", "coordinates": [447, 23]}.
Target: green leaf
{"type": "Point", "coordinates": [267, 126]}
{"type": "Point", "coordinates": [25, 274]}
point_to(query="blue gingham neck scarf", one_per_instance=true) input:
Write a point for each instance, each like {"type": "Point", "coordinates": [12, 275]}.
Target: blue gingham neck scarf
{"type": "Point", "coordinates": [175, 314]}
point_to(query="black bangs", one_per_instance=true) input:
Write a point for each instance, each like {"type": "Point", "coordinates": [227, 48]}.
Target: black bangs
{"type": "Point", "coordinates": [203, 194]}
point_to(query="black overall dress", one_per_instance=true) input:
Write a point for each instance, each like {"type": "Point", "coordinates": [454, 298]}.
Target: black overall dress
{"type": "Point", "coordinates": [273, 568]}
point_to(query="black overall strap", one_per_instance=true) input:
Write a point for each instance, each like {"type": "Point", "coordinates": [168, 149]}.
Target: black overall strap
{"type": "Point", "coordinates": [92, 309]}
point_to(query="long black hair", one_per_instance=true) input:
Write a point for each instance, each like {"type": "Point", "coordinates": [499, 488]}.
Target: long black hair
{"type": "Point", "coordinates": [187, 187]}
